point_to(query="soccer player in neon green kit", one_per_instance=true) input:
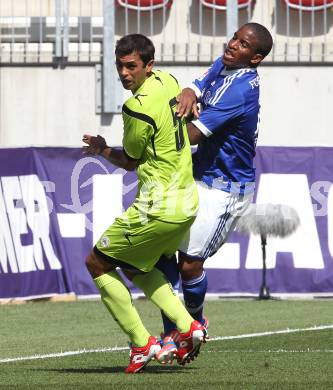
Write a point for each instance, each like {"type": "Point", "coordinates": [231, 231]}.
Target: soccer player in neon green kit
{"type": "Point", "coordinates": [156, 145]}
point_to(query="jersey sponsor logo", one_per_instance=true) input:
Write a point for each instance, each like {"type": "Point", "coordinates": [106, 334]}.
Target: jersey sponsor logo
{"type": "Point", "coordinates": [138, 96]}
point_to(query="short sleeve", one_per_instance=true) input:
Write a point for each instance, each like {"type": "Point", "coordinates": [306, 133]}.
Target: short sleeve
{"type": "Point", "coordinates": [137, 133]}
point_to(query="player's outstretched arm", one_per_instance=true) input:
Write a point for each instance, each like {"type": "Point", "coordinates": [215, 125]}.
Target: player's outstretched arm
{"type": "Point", "coordinates": [97, 146]}
{"type": "Point", "coordinates": [187, 104]}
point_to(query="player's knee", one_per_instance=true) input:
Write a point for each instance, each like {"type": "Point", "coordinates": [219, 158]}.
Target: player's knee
{"type": "Point", "coordinates": [92, 264]}
{"type": "Point", "coordinates": [190, 269]}
{"type": "Point", "coordinates": [97, 266]}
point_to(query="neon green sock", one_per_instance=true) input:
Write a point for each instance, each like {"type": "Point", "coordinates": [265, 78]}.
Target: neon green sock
{"type": "Point", "coordinates": [160, 292]}
{"type": "Point", "coordinates": [117, 298]}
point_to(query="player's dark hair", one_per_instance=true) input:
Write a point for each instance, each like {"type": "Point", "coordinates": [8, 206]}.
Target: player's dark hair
{"type": "Point", "coordinates": [136, 43]}
{"type": "Point", "coordinates": [264, 37]}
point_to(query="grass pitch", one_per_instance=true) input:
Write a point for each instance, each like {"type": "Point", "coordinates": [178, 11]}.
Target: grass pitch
{"type": "Point", "coordinates": [89, 350]}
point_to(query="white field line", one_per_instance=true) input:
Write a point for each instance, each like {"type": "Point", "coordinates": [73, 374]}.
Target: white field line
{"type": "Point", "coordinates": [119, 349]}
{"type": "Point", "coordinates": [62, 354]}
{"type": "Point", "coordinates": [284, 331]}
{"type": "Point", "coordinates": [308, 350]}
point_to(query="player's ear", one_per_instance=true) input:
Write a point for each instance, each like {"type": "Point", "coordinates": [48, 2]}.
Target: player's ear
{"type": "Point", "coordinates": [256, 59]}
{"type": "Point", "coordinates": [149, 66]}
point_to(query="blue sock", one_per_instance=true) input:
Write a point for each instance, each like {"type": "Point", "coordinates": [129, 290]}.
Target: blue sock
{"type": "Point", "coordinates": [194, 295]}
{"type": "Point", "coordinates": [169, 267]}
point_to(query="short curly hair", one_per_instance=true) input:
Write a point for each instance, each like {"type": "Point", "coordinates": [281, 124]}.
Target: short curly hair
{"type": "Point", "coordinates": [264, 37]}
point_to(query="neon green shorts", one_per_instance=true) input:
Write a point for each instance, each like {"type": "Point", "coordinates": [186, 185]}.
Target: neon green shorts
{"type": "Point", "coordinates": [141, 243]}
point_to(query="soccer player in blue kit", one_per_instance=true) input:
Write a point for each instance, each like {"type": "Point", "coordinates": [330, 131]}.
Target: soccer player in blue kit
{"type": "Point", "coordinates": [226, 132]}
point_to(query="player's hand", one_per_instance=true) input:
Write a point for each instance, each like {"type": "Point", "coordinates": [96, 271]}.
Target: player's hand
{"type": "Point", "coordinates": [96, 145]}
{"type": "Point", "coordinates": [187, 104]}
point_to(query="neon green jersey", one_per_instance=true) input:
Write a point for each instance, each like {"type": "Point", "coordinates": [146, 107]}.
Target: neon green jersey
{"type": "Point", "coordinates": [155, 136]}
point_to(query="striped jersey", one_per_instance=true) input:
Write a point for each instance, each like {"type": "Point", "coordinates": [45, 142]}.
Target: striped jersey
{"type": "Point", "coordinates": [229, 119]}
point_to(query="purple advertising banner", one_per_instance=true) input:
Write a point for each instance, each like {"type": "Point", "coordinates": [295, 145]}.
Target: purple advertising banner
{"type": "Point", "coordinates": [55, 204]}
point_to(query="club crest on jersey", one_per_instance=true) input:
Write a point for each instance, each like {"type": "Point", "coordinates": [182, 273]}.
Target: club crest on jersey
{"type": "Point", "coordinates": [105, 242]}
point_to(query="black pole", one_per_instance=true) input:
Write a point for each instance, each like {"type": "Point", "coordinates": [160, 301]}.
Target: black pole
{"type": "Point", "coordinates": [264, 289]}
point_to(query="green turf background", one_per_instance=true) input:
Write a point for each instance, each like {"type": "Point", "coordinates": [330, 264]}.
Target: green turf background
{"type": "Point", "coordinates": [301, 360]}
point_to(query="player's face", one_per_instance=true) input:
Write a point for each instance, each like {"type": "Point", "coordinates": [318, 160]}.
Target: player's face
{"type": "Point", "coordinates": [132, 71]}
{"type": "Point", "coordinates": [241, 50]}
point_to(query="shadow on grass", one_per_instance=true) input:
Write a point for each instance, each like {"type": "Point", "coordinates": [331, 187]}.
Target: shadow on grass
{"type": "Point", "coordinates": [116, 369]}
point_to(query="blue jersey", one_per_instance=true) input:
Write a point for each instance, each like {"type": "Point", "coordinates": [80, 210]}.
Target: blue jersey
{"type": "Point", "coordinates": [229, 120]}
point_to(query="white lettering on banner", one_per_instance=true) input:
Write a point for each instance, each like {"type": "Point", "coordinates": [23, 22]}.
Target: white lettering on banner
{"type": "Point", "coordinates": [72, 225]}
{"type": "Point", "coordinates": [320, 209]}
{"type": "Point", "coordinates": [25, 221]}
{"type": "Point", "coordinates": [18, 222]}
{"type": "Point", "coordinates": [25, 201]}
{"type": "Point", "coordinates": [76, 206]}
{"type": "Point", "coordinates": [7, 252]}
{"type": "Point", "coordinates": [49, 186]}
{"type": "Point", "coordinates": [292, 190]}
{"type": "Point", "coordinates": [107, 202]}
{"type": "Point", "coordinates": [38, 219]}
{"type": "Point", "coordinates": [330, 220]}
